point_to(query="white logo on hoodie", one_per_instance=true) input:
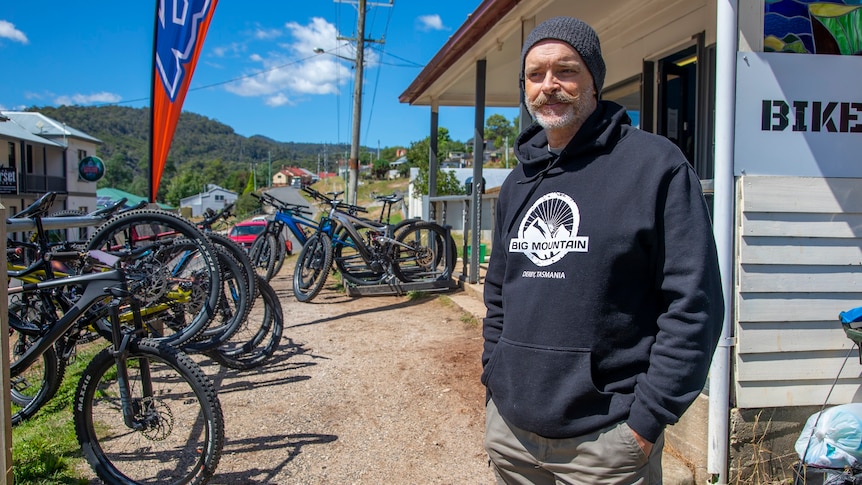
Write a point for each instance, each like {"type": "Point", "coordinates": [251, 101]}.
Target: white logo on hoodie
{"type": "Point", "coordinates": [549, 230]}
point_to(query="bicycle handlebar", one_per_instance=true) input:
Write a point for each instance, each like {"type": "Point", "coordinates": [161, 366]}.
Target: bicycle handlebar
{"type": "Point", "coordinates": [333, 202]}
{"type": "Point", "coordinates": [282, 205]}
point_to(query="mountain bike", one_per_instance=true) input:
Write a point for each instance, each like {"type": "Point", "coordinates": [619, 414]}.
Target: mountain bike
{"type": "Point", "coordinates": [370, 252]}
{"type": "Point", "coordinates": [144, 412]}
{"type": "Point", "coordinates": [270, 246]}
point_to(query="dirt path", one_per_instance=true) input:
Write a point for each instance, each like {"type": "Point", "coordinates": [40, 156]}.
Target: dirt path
{"type": "Point", "coordinates": [362, 390]}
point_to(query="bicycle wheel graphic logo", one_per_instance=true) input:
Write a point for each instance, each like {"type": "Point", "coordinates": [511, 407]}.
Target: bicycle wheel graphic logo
{"type": "Point", "coordinates": [549, 230]}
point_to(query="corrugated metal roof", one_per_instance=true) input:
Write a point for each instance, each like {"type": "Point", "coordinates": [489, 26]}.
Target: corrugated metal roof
{"type": "Point", "coordinates": [107, 195]}
{"type": "Point", "coordinates": [41, 125]}
{"type": "Point", "coordinates": [12, 129]}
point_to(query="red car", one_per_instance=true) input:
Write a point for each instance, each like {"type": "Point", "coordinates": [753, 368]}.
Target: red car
{"type": "Point", "coordinates": [244, 233]}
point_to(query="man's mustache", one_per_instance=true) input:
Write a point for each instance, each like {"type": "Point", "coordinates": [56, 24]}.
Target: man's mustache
{"type": "Point", "coordinates": [559, 97]}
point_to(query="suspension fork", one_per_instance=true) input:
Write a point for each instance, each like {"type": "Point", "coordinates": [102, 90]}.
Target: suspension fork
{"type": "Point", "coordinates": [120, 351]}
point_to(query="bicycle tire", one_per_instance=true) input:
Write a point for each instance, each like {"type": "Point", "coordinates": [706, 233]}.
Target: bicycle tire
{"type": "Point", "coordinates": [312, 267]}
{"type": "Point", "coordinates": [259, 335]}
{"type": "Point", "coordinates": [282, 255]}
{"type": "Point", "coordinates": [349, 262]}
{"type": "Point", "coordinates": [232, 308]}
{"type": "Point", "coordinates": [182, 433]}
{"type": "Point", "coordinates": [34, 386]}
{"type": "Point", "coordinates": [239, 254]}
{"type": "Point", "coordinates": [425, 253]}
{"type": "Point", "coordinates": [263, 254]}
{"type": "Point", "coordinates": [139, 228]}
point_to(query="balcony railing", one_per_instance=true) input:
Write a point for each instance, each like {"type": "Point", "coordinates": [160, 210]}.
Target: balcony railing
{"type": "Point", "coordinates": [41, 184]}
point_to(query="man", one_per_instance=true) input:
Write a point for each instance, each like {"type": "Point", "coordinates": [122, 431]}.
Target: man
{"type": "Point", "coordinates": [603, 296]}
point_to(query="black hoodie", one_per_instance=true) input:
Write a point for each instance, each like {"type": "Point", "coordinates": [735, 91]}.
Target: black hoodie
{"type": "Point", "coordinates": [603, 295]}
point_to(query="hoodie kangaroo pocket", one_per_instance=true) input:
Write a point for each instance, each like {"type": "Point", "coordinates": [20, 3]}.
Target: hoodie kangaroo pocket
{"type": "Point", "coordinates": [541, 388]}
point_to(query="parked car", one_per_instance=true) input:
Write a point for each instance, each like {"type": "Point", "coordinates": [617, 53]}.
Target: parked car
{"type": "Point", "coordinates": [244, 233]}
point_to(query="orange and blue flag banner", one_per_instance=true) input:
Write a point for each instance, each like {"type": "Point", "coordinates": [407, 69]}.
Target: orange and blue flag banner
{"type": "Point", "coordinates": [181, 26]}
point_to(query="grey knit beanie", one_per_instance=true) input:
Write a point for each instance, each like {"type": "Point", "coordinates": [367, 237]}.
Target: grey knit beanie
{"type": "Point", "coordinates": [577, 34]}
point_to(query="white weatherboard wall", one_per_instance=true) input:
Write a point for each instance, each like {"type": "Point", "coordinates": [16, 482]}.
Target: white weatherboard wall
{"type": "Point", "coordinates": [799, 264]}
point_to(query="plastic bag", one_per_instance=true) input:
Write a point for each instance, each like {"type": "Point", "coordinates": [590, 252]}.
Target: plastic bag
{"type": "Point", "coordinates": [836, 440]}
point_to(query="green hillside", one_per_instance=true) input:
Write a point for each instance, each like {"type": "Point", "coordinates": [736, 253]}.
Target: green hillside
{"type": "Point", "coordinates": [203, 151]}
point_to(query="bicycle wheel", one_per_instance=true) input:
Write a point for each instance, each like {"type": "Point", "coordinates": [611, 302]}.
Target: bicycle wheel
{"type": "Point", "coordinates": [174, 271]}
{"type": "Point", "coordinates": [312, 267]}
{"type": "Point", "coordinates": [177, 428]}
{"type": "Point", "coordinates": [424, 252]}
{"type": "Point", "coordinates": [232, 308]}
{"type": "Point", "coordinates": [32, 387]}
{"type": "Point", "coordinates": [349, 262]}
{"type": "Point", "coordinates": [263, 254]}
{"type": "Point", "coordinates": [258, 336]}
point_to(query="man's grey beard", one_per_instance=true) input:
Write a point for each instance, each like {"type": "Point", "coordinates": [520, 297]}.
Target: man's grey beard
{"type": "Point", "coordinates": [580, 108]}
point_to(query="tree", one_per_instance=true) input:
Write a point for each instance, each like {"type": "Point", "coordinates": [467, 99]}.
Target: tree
{"type": "Point", "coordinates": [249, 187]}
{"type": "Point", "coordinates": [246, 204]}
{"type": "Point", "coordinates": [418, 155]}
{"type": "Point", "coordinates": [498, 129]}
{"type": "Point", "coordinates": [379, 169]}
{"type": "Point", "coordinates": [183, 185]}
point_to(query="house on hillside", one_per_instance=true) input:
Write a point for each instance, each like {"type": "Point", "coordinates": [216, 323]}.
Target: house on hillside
{"type": "Point", "coordinates": [394, 167]}
{"type": "Point", "coordinates": [292, 176]}
{"type": "Point", "coordinates": [214, 197]}
{"type": "Point", "coordinates": [39, 154]}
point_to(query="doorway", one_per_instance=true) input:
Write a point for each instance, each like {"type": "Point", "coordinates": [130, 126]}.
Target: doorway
{"type": "Point", "coordinates": [677, 100]}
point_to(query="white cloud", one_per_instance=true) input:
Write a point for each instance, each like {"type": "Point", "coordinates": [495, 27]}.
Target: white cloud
{"type": "Point", "coordinates": [279, 99]}
{"type": "Point", "coordinates": [292, 69]}
{"type": "Point", "coordinates": [8, 31]}
{"type": "Point", "coordinates": [232, 49]}
{"type": "Point", "coordinates": [83, 99]}
{"type": "Point", "coordinates": [266, 34]}
{"type": "Point", "coordinates": [430, 22]}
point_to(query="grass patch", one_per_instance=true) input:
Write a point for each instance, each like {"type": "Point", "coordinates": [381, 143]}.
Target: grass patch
{"type": "Point", "coordinates": [44, 448]}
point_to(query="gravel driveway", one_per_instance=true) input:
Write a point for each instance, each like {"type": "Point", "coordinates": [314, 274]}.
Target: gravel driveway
{"type": "Point", "coordinates": [381, 389]}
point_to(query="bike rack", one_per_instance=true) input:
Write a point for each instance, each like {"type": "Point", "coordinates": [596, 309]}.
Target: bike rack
{"type": "Point", "coordinates": [398, 289]}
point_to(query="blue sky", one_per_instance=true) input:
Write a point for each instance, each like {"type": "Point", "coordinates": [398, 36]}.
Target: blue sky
{"type": "Point", "coordinates": [258, 72]}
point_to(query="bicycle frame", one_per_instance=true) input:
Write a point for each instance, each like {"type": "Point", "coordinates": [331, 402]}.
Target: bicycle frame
{"type": "Point", "coordinates": [352, 224]}
{"type": "Point", "coordinates": [97, 287]}
{"type": "Point", "coordinates": [293, 222]}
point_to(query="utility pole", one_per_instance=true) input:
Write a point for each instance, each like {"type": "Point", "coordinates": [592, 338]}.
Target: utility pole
{"type": "Point", "coordinates": [353, 161]}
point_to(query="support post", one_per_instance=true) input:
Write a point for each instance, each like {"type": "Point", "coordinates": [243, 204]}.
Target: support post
{"type": "Point", "coordinates": [353, 163]}
{"type": "Point", "coordinates": [5, 405]}
{"type": "Point", "coordinates": [478, 160]}
{"type": "Point", "coordinates": [433, 143]}
{"type": "Point", "coordinates": [718, 436]}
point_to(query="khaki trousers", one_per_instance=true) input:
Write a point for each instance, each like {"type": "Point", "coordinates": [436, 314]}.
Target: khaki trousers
{"type": "Point", "coordinates": [610, 456]}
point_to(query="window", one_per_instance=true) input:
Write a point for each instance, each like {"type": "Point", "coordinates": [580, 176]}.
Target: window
{"type": "Point", "coordinates": [82, 154]}
{"type": "Point", "coordinates": [29, 159]}
{"type": "Point", "coordinates": [219, 198]}
{"type": "Point", "coordinates": [12, 155]}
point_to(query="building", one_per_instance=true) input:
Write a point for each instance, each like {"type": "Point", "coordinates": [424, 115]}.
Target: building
{"type": "Point", "coordinates": [39, 154]}
{"type": "Point", "coordinates": [771, 126]}
{"type": "Point", "coordinates": [292, 176]}
{"type": "Point", "coordinates": [214, 197]}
